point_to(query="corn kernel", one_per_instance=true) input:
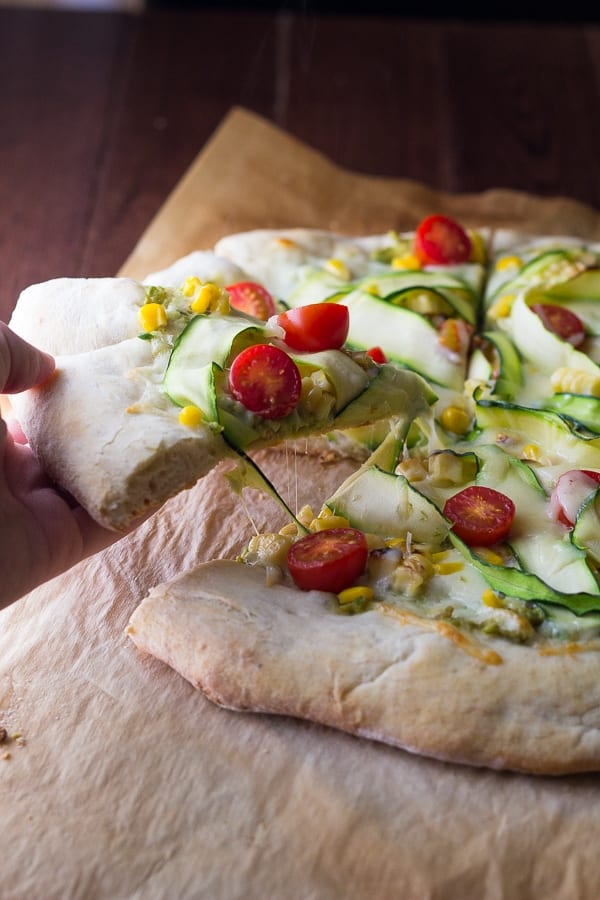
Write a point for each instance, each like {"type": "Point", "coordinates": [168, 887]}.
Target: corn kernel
{"type": "Point", "coordinates": [489, 556]}
{"type": "Point", "coordinates": [489, 598]}
{"type": "Point", "coordinates": [190, 416]}
{"type": "Point", "coordinates": [455, 419]}
{"type": "Point", "coordinates": [305, 515]}
{"type": "Point", "coordinates": [190, 286]}
{"type": "Point", "coordinates": [339, 268]}
{"type": "Point", "coordinates": [152, 316]}
{"type": "Point", "coordinates": [349, 595]}
{"type": "Point", "coordinates": [290, 529]}
{"type": "Point", "coordinates": [324, 523]}
{"type": "Point", "coordinates": [532, 452]}
{"type": "Point", "coordinates": [575, 381]}
{"type": "Point", "coordinates": [208, 294]}
{"type": "Point", "coordinates": [448, 568]}
{"type": "Point", "coordinates": [371, 288]}
{"type": "Point", "coordinates": [406, 261]}
{"type": "Point", "coordinates": [509, 262]}
{"type": "Point", "coordinates": [502, 308]}
{"type": "Point", "coordinates": [477, 254]}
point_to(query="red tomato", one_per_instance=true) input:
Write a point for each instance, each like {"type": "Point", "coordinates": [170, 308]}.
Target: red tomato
{"type": "Point", "coordinates": [328, 560]}
{"type": "Point", "coordinates": [266, 381]}
{"type": "Point", "coordinates": [315, 327]}
{"type": "Point", "coordinates": [377, 355]}
{"type": "Point", "coordinates": [570, 491]}
{"type": "Point", "coordinates": [480, 515]}
{"type": "Point", "coordinates": [252, 298]}
{"type": "Point", "coordinates": [562, 322]}
{"type": "Point", "coordinates": [440, 240]}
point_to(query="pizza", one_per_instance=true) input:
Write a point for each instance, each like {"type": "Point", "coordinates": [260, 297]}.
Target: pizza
{"type": "Point", "coordinates": [445, 598]}
{"type": "Point", "coordinates": [155, 385]}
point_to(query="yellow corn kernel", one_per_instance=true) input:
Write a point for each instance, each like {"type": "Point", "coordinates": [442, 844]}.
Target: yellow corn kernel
{"type": "Point", "coordinates": [206, 298]}
{"type": "Point", "coordinates": [396, 543]}
{"type": "Point", "coordinates": [371, 288]}
{"type": "Point", "coordinates": [448, 568]}
{"type": "Point", "coordinates": [509, 262]}
{"type": "Point", "coordinates": [323, 523]}
{"type": "Point", "coordinates": [339, 268]}
{"type": "Point", "coordinates": [575, 381]}
{"type": "Point", "coordinates": [374, 541]}
{"type": "Point", "coordinates": [455, 419]}
{"type": "Point", "coordinates": [190, 286]}
{"type": "Point", "coordinates": [478, 254]}
{"type": "Point", "coordinates": [152, 316]}
{"type": "Point", "coordinates": [532, 452]}
{"type": "Point", "coordinates": [489, 598]}
{"type": "Point", "coordinates": [190, 416]}
{"type": "Point", "coordinates": [489, 556]}
{"type": "Point", "coordinates": [290, 529]}
{"type": "Point", "coordinates": [406, 261]}
{"type": "Point", "coordinates": [361, 592]}
{"type": "Point", "coordinates": [502, 308]}
{"type": "Point", "coordinates": [412, 468]}
{"type": "Point", "coordinates": [305, 515]}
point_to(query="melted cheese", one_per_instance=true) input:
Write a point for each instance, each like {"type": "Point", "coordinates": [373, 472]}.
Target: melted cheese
{"type": "Point", "coordinates": [461, 640]}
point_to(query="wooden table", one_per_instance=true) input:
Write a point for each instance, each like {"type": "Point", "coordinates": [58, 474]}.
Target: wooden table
{"type": "Point", "coordinates": [100, 114]}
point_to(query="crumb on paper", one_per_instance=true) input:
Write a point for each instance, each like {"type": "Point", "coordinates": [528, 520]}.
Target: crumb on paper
{"type": "Point", "coordinates": [6, 755]}
{"type": "Point", "coordinates": [15, 738]}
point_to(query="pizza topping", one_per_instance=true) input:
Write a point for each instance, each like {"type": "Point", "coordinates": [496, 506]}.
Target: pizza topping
{"type": "Point", "coordinates": [253, 299]}
{"type": "Point", "coordinates": [455, 419]}
{"type": "Point", "coordinates": [205, 296]}
{"type": "Point", "coordinates": [562, 322]}
{"type": "Point", "coordinates": [316, 326]}
{"type": "Point", "coordinates": [454, 336]}
{"type": "Point", "coordinates": [152, 316]}
{"type": "Point", "coordinates": [377, 355]}
{"type": "Point", "coordinates": [329, 560]}
{"type": "Point", "coordinates": [575, 381]}
{"type": "Point", "coordinates": [440, 240]}
{"type": "Point", "coordinates": [191, 416]}
{"type": "Point", "coordinates": [266, 381]}
{"type": "Point", "coordinates": [570, 492]}
{"type": "Point", "coordinates": [480, 515]}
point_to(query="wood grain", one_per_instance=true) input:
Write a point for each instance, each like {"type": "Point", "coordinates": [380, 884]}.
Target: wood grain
{"type": "Point", "coordinates": [101, 114]}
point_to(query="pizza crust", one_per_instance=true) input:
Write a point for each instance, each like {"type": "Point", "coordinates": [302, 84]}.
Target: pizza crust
{"type": "Point", "coordinates": [279, 650]}
{"type": "Point", "coordinates": [105, 432]}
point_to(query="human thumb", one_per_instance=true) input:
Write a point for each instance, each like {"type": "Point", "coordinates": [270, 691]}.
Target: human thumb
{"type": "Point", "coordinates": [21, 365]}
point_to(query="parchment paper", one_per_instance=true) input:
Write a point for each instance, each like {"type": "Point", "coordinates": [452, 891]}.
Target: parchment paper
{"type": "Point", "coordinates": [127, 783]}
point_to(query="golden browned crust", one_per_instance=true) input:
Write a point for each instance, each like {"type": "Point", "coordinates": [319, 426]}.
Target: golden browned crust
{"type": "Point", "coordinates": [280, 650]}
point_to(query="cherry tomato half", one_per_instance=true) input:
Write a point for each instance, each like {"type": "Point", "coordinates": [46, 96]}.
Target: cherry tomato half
{"type": "Point", "coordinates": [377, 355]}
{"type": "Point", "coordinates": [329, 560]}
{"type": "Point", "coordinates": [252, 298]}
{"type": "Point", "coordinates": [570, 491]}
{"type": "Point", "coordinates": [480, 515]}
{"type": "Point", "coordinates": [561, 321]}
{"type": "Point", "coordinates": [315, 327]}
{"type": "Point", "coordinates": [441, 241]}
{"type": "Point", "coordinates": [266, 381]}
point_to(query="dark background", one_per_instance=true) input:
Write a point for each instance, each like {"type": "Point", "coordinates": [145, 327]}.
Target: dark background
{"type": "Point", "coordinates": [473, 11]}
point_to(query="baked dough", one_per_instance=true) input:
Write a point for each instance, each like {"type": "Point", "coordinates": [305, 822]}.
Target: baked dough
{"type": "Point", "coordinates": [481, 701]}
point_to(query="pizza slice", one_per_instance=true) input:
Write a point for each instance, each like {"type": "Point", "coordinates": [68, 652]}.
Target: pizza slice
{"type": "Point", "coordinates": [444, 600]}
{"type": "Point", "coordinates": [155, 385]}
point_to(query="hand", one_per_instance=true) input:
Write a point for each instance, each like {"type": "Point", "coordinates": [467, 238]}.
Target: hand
{"type": "Point", "coordinates": [42, 532]}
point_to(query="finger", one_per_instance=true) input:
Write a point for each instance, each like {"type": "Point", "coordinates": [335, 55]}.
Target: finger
{"type": "Point", "coordinates": [21, 364]}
